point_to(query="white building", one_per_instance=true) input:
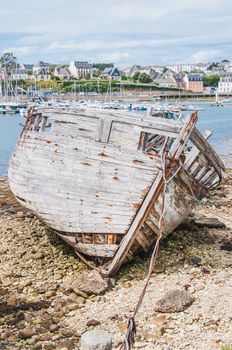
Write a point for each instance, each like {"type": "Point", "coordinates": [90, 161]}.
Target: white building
{"type": "Point", "coordinates": [111, 73]}
{"type": "Point", "coordinates": [20, 74]}
{"type": "Point", "coordinates": [41, 74]}
{"type": "Point", "coordinates": [188, 68]}
{"type": "Point", "coordinates": [157, 68]}
{"type": "Point", "coordinates": [39, 66]}
{"type": "Point", "coordinates": [62, 73]}
{"type": "Point", "coordinates": [80, 69]}
{"type": "Point", "coordinates": [225, 85]}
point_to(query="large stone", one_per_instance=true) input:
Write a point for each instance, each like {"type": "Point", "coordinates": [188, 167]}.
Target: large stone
{"type": "Point", "coordinates": [209, 222]}
{"type": "Point", "coordinates": [96, 340]}
{"type": "Point", "coordinates": [90, 283]}
{"type": "Point", "coordinates": [174, 301]}
{"type": "Point", "coordinates": [26, 333]}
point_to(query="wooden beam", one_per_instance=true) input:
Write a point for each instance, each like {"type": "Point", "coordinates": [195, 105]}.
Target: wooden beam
{"type": "Point", "coordinates": [195, 152]}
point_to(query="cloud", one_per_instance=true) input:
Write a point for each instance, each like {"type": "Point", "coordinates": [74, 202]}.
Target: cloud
{"type": "Point", "coordinates": [204, 56]}
{"type": "Point", "coordinates": [147, 31]}
{"type": "Point", "coordinates": [116, 57]}
{"type": "Point", "coordinates": [21, 51]}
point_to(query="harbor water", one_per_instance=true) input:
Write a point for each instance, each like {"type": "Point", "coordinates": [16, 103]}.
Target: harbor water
{"type": "Point", "coordinates": [216, 119]}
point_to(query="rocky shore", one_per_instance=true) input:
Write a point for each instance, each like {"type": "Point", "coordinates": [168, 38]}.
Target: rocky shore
{"type": "Point", "coordinates": [48, 298]}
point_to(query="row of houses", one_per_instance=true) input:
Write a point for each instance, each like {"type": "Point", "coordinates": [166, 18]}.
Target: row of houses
{"type": "Point", "coordinates": [193, 82]}
{"type": "Point", "coordinates": [187, 76]}
{"type": "Point", "coordinates": [190, 81]}
{"type": "Point", "coordinates": [181, 76]}
{"type": "Point", "coordinates": [44, 71]}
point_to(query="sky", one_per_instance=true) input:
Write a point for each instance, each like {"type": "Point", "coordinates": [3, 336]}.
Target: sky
{"type": "Point", "coordinates": [125, 32]}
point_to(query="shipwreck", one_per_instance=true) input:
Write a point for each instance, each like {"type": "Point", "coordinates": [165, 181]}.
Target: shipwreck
{"type": "Point", "coordinates": [109, 182]}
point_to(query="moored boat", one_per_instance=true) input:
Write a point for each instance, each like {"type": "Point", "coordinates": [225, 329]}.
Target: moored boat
{"type": "Point", "coordinates": [109, 182]}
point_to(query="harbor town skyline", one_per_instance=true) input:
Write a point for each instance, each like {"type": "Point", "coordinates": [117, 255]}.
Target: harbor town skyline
{"type": "Point", "coordinates": [123, 32]}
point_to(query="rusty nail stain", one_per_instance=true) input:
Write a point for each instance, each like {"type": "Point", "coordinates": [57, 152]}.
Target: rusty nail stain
{"type": "Point", "coordinates": [136, 161]}
{"type": "Point", "coordinates": [103, 154]}
{"type": "Point", "coordinates": [107, 218]}
{"type": "Point", "coordinates": [85, 163]}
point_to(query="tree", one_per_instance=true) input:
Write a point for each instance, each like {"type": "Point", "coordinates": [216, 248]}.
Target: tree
{"type": "Point", "coordinates": [124, 77]}
{"type": "Point", "coordinates": [9, 62]}
{"type": "Point", "coordinates": [145, 78]}
{"type": "Point", "coordinates": [136, 76]}
{"type": "Point", "coordinates": [213, 64]}
{"type": "Point", "coordinates": [102, 66]}
{"type": "Point", "coordinates": [211, 80]}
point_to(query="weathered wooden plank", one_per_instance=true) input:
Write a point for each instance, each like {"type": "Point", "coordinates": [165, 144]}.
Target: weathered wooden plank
{"type": "Point", "coordinates": [100, 250]}
{"type": "Point", "coordinates": [152, 125]}
{"type": "Point", "coordinates": [152, 226]}
{"type": "Point", "coordinates": [204, 170]}
{"type": "Point", "coordinates": [180, 142]}
{"type": "Point", "coordinates": [195, 152]}
{"type": "Point", "coordinates": [106, 153]}
{"type": "Point", "coordinates": [106, 130]}
{"type": "Point", "coordinates": [121, 186]}
{"type": "Point", "coordinates": [207, 175]}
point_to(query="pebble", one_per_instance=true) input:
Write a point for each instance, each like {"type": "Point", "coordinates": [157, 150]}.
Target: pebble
{"type": "Point", "coordinates": [194, 271]}
{"type": "Point", "coordinates": [92, 323]}
{"type": "Point", "coordinates": [174, 301]}
{"type": "Point", "coordinates": [90, 283]}
{"type": "Point", "coordinates": [26, 333]}
{"type": "Point", "coordinates": [12, 301]}
{"type": "Point", "coordinates": [37, 256]}
{"type": "Point", "coordinates": [66, 344]}
{"type": "Point", "coordinates": [97, 340]}
{"type": "Point", "coordinates": [159, 268]}
{"type": "Point", "coordinates": [50, 294]}
{"type": "Point", "coordinates": [73, 306]}
{"type": "Point", "coordinates": [66, 332]}
{"type": "Point", "coordinates": [127, 284]}
{"type": "Point", "coordinates": [3, 291]}
{"type": "Point", "coordinates": [54, 328]}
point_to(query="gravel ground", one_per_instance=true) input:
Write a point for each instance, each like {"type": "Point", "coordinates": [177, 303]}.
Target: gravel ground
{"type": "Point", "coordinates": [40, 309]}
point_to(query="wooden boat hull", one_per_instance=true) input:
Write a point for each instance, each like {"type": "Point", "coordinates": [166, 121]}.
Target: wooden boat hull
{"type": "Point", "coordinates": [90, 178]}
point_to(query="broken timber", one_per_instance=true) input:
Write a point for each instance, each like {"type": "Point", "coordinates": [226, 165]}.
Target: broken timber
{"type": "Point", "coordinates": [97, 177]}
